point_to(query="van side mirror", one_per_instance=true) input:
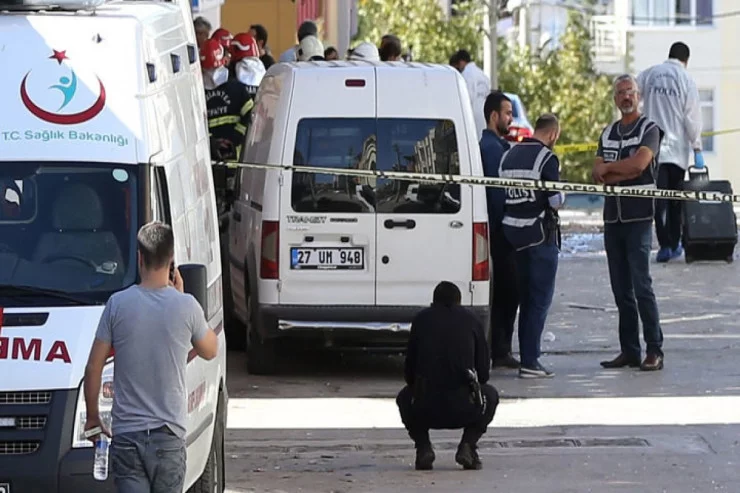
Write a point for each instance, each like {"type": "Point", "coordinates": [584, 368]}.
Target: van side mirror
{"type": "Point", "coordinates": [195, 282]}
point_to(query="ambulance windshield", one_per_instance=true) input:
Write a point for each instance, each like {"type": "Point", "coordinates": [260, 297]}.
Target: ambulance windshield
{"type": "Point", "coordinates": [69, 227]}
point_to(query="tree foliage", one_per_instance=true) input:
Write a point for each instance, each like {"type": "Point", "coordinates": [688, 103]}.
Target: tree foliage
{"type": "Point", "coordinates": [423, 25]}
{"type": "Point", "coordinates": [564, 82]}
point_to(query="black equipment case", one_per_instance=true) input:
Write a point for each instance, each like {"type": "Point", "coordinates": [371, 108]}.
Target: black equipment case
{"type": "Point", "coordinates": [709, 228]}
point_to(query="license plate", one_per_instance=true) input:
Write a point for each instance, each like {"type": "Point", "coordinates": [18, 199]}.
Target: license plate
{"type": "Point", "coordinates": [327, 258]}
{"type": "Point", "coordinates": [4, 487]}
{"type": "Point", "coordinates": [6, 423]}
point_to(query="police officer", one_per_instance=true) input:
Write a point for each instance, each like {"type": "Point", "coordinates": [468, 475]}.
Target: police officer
{"type": "Point", "coordinates": [627, 156]}
{"type": "Point", "coordinates": [446, 371]}
{"type": "Point", "coordinates": [498, 113]}
{"type": "Point", "coordinates": [530, 224]}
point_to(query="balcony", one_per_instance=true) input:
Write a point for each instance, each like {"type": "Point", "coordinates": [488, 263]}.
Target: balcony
{"type": "Point", "coordinates": [609, 44]}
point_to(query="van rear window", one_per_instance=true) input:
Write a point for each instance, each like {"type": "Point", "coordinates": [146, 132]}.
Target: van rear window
{"type": "Point", "coordinates": [388, 144]}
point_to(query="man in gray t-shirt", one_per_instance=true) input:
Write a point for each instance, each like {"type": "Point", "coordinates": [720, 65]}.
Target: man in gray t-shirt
{"type": "Point", "coordinates": [151, 327]}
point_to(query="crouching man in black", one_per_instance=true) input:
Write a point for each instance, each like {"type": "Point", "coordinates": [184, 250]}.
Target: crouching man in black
{"type": "Point", "coordinates": [447, 364]}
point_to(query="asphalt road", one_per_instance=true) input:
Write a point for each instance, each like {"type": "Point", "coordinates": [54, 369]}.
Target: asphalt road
{"type": "Point", "coordinates": [328, 422]}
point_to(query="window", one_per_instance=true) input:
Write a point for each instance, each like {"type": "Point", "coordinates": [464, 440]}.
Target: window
{"type": "Point", "coordinates": [68, 226]}
{"type": "Point", "coordinates": [706, 98]}
{"type": "Point", "coordinates": [672, 12]}
{"type": "Point", "coordinates": [401, 145]}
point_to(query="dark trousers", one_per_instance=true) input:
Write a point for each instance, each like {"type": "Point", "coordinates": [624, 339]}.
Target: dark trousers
{"type": "Point", "coordinates": [668, 212]}
{"type": "Point", "coordinates": [148, 462]}
{"type": "Point", "coordinates": [536, 267]}
{"type": "Point", "coordinates": [418, 422]}
{"type": "Point", "coordinates": [505, 300]}
{"type": "Point", "coordinates": [628, 255]}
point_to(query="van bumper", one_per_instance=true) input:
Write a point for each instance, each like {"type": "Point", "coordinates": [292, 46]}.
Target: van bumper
{"type": "Point", "coordinates": [391, 323]}
{"type": "Point", "coordinates": [55, 467]}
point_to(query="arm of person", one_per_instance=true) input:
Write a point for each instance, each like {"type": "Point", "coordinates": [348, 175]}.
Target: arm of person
{"type": "Point", "coordinates": [94, 369]}
{"type": "Point", "coordinates": [551, 172]}
{"type": "Point", "coordinates": [693, 120]}
{"type": "Point", "coordinates": [203, 338]}
{"type": "Point", "coordinates": [632, 167]}
{"type": "Point", "coordinates": [598, 167]}
{"type": "Point", "coordinates": [482, 353]}
{"type": "Point", "coordinates": [409, 367]}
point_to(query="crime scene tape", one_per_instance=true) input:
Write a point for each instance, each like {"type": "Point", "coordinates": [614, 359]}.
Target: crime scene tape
{"type": "Point", "coordinates": [540, 185]}
{"type": "Point", "coordinates": [563, 149]}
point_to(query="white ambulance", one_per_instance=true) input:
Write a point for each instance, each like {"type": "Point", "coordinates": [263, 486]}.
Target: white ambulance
{"type": "Point", "coordinates": [349, 261]}
{"type": "Point", "coordinates": [102, 129]}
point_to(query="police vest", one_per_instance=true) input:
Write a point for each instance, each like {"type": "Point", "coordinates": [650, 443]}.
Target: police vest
{"type": "Point", "coordinates": [229, 107]}
{"type": "Point", "coordinates": [525, 210]}
{"type": "Point", "coordinates": [615, 147]}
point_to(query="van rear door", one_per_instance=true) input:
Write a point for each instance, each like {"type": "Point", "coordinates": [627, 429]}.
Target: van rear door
{"type": "Point", "coordinates": [424, 231]}
{"type": "Point", "coordinates": [327, 225]}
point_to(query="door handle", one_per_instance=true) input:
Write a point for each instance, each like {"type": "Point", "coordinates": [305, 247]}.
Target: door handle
{"type": "Point", "coordinates": [408, 224]}
{"type": "Point", "coordinates": [237, 216]}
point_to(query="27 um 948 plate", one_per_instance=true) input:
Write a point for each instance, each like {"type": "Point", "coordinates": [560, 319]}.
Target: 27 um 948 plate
{"type": "Point", "coordinates": [327, 258]}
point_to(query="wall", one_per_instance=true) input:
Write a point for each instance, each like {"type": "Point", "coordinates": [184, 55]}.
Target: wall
{"type": "Point", "coordinates": [278, 17]}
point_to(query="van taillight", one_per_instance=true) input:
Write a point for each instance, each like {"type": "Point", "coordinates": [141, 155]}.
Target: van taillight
{"type": "Point", "coordinates": [481, 253]}
{"type": "Point", "coordinates": [269, 268]}
{"type": "Point", "coordinates": [354, 82]}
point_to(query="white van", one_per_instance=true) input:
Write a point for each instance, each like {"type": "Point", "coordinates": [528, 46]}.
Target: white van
{"type": "Point", "coordinates": [102, 129]}
{"type": "Point", "coordinates": [352, 260]}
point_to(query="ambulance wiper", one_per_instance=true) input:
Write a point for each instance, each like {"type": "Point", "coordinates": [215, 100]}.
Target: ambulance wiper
{"type": "Point", "coordinates": [17, 290]}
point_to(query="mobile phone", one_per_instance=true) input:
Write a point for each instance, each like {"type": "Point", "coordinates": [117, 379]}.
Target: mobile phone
{"type": "Point", "coordinates": [172, 272]}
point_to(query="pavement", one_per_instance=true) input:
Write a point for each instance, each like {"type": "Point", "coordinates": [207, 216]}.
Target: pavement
{"type": "Point", "coordinates": [328, 422]}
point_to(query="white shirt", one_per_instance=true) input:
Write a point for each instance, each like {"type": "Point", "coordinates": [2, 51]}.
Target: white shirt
{"type": "Point", "coordinates": [479, 87]}
{"type": "Point", "coordinates": [671, 100]}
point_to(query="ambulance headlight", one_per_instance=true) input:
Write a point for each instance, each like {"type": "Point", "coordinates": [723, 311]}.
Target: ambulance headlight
{"type": "Point", "coordinates": [105, 403]}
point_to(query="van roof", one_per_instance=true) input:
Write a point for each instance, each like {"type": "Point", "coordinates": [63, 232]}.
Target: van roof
{"type": "Point", "coordinates": [138, 9]}
{"type": "Point", "coordinates": [366, 65]}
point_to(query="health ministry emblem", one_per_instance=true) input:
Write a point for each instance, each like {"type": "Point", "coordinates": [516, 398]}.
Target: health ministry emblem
{"type": "Point", "coordinates": [66, 84]}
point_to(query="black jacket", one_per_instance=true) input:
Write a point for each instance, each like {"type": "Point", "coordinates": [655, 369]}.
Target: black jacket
{"type": "Point", "coordinates": [444, 343]}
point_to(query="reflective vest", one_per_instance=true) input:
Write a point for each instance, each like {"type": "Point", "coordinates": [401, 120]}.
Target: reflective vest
{"type": "Point", "coordinates": [526, 221]}
{"type": "Point", "coordinates": [229, 107]}
{"type": "Point", "coordinates": [616, 147]}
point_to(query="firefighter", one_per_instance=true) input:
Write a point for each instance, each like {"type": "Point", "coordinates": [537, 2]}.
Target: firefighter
{"type": "Point", "coordinates": [224, 37]}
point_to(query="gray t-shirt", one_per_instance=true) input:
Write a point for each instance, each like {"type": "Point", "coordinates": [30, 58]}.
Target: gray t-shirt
{"type": "Point", "coordinates": [152, 331]}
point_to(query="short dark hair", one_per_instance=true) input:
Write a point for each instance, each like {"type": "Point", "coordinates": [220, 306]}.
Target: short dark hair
{"type": "Point", "coordinates": [390, 47]}
{"type": "Point", "coordinates": [260, 32]}
{"type": "Point", "coordinates": [548, 121]}
{"type": "Point", "coordinates": [460, 56]}
{"type": "Point", "coordinates": [329, 51]}
{"type": "Point", "coordinates": [307, 28]}
{"type": "Point", "coordinates": [493, 103]}
{"type": "Point", "coordinates": [156, 245]}
{"type": "Point", "coordinates": [679, 51]}
{"type": "Point", "coordinates": [446, 294]}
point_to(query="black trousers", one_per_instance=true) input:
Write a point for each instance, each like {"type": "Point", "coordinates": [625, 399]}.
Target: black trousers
{"type": "Point", "coordinates": [668, 212]}
{"type": "Point", "coordinates": [505, 300]}
{"type": "Point", "coordinates": [418, 422]}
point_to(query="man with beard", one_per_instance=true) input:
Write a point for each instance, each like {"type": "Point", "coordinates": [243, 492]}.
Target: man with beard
{"type": "Point", "coordinates": [497, 111]}
{"type": "Point", "coordinates": [628, 156]}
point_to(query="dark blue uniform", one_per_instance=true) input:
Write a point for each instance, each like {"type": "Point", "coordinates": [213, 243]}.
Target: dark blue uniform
{"type": "Point", "coordinates": [505, 300]}
{"type": "Point", "coordinates": [628, 238]}
{"type": "Point", "coordinates": [529, 226]}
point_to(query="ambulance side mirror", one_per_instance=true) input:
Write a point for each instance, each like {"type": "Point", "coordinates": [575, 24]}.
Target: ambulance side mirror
{"type": "Point", "coordinates": [195, 282]}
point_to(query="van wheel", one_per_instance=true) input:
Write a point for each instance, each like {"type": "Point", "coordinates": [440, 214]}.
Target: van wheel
{"type": "Point", "coordinates": [261, 353]}
{"type": "Point", "coordinates": [213, 479]}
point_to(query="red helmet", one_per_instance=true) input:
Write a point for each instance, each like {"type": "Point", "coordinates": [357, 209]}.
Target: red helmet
{"type": "Point", "coordinates": [244, 46]}
{"type": "Point", "coordinates": [223, 36]}
{"type": "Point", "coordinates": [212, 54]}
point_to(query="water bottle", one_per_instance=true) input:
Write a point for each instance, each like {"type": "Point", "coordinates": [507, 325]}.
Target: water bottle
{"type": "Point", "coordinates": [100, 465]}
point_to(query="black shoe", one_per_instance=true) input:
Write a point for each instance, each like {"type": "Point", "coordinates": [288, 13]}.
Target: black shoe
{"type": "Point", "coordinates": [467, 456]}
{"type": "Point", "coordinates": [507, 361]}
{"type": "Point", "coordinates": [621, 361]}
{"type": "Point", "coordinates": [652, 362]}
{"type": "Point", "coordinates": [535, 371]}
{"type": "Point", "coordinates": [425, 458]}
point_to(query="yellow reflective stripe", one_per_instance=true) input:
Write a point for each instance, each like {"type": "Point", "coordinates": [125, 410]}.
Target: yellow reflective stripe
{"type": "Point", "coordinates": [238, 151]}
{"type": "Point", "coordinates": [240, 128]}
{"type": "Point", "coordinates": [247, 107]}
{"type": "Point", "coordinates": [223, 120]}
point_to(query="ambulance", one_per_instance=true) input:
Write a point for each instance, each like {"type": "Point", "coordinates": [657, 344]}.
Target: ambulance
{"type": "Point", "coordinates": [102, 130]}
